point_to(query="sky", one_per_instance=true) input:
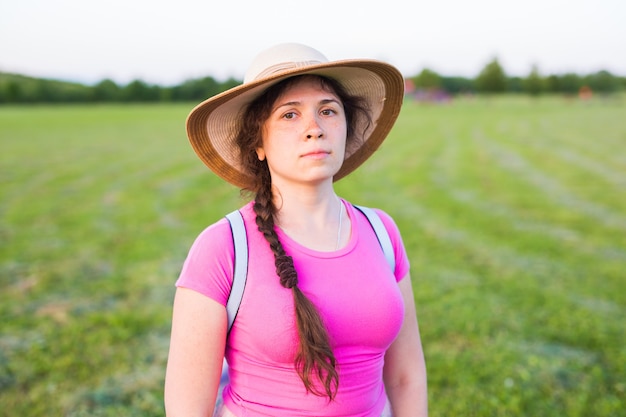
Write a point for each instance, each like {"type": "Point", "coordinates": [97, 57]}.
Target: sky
{"type": "Point", "coordinates": [168, 42]}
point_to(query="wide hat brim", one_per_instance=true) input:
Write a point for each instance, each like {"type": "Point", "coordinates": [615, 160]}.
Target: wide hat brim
{"type": "Point", "coordinates": [212, 125]}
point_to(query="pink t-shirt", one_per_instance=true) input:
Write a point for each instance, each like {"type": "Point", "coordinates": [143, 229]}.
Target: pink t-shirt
{"type": "Point", "coordinates": [355, 292]}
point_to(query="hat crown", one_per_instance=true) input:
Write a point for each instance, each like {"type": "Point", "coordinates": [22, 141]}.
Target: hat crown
{"type": "Point", "coordinates": [281, 58]}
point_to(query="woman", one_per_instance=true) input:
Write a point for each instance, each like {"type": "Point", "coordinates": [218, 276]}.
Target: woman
{"type": "Point", "coordinates": [325, 327]}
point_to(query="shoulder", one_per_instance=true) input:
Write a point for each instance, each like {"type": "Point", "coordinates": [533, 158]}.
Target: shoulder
{"type": "Point", "coordinates": [386, 219]}
{"type": "Point", "coordinates": [213, 237]}
{"type": "Point", "coordinates": [208, 268]}
{"type": "Point", "coordinates": [400, 255]}
{"type": "Point", "coordinates": [220, 232]}
{"type": "Point", "coordinates": [216, 240]}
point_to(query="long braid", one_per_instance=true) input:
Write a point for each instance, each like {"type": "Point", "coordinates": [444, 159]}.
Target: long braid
{"type": "Point", "coordinates": [315, 355]}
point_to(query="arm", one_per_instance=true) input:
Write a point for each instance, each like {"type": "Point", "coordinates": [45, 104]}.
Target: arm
{"type": "Point", "coordinates": [196, 354]}
{"type": "Point", "coordinates": [405, 369]}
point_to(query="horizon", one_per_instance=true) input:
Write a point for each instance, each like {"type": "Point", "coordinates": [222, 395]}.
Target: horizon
{"type": "Point", "coordinates": [161, 85]}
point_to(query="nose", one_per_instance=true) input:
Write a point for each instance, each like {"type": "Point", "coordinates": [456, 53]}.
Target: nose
{"type": "Point", "coordinates": [314, 130]}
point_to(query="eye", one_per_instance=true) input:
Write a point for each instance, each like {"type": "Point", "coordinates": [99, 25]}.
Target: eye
{"type": "Point", "coordinates": [289, 115]}
{"type": "Point", "coordinates": [328, 112]}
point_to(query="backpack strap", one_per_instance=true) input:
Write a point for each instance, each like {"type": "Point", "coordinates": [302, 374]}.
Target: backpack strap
{"type": "Point", "coordinates": [240, 274]}
{"type": "Point", "coordinates": [240, 242]}
{"type": "Point", "coordinates": [381, 234]}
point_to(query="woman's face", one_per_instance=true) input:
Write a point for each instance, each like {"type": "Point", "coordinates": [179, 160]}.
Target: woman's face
{"type": "Point", "coordinates": [304, 138]}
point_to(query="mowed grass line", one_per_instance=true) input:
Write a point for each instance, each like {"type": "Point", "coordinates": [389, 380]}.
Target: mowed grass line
{"type": "Point", "coordinates": [510, 210]}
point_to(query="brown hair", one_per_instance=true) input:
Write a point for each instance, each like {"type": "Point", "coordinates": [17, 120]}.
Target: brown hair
{"type": "Point", "coordinates": [315, 355]}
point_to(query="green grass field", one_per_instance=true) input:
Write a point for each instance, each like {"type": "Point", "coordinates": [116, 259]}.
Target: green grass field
{"type": "Point", "coordinates": [513, 212]}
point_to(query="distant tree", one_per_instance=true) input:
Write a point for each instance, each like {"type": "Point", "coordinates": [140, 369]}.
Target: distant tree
{"type": "Point", "coordinates": [196, 89]}
{"type": "Point", "coordinates": [534, 84]}
{"type": "Point", "coordinates": [166, 94]}
{"type": "Point", "coordinates": [457, 85]}
{"type": "Point", "coordinates": [138, 90]}
{"type": "Point", "coordinates": [427, 79]}
{"type": "Point", "coordinates": [153, 93]}
{"type": "Point", "coordinates": [229, 83]}
{"type": "Point", "coordinates": [492, 78]}
{"type": "Point", "coordinates": [72, 92]}
{"type": "Point", "coordinates": [515, 84]}
{"type": "Point", "coordinates": [199, 89]}
{"type": "Point", "coordinates": [45, 92]}
{"type": "Point", "coordinates": [562, 84]}
{"type": "Point", "coordinates": [13, 92]}
{"type": "Point", "coordinates": [570, 83]}
{"type": "Point", "coordinates": [602, 82]}
{"type": "Point", "coordinates": [553, 84]}
{"type": "Point", "coordinates": [105, 91]}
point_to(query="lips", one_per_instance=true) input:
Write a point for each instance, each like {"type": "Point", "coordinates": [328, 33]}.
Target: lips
{"type": "Point", "coordinates": [317, 153]}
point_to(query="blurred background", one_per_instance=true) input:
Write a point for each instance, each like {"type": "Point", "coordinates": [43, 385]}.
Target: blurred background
{"type": "Point", "coordinates": [505, 171]}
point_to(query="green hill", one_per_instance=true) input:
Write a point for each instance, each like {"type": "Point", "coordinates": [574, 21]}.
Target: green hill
{"type": "Point", "coordinates": [23, 89]}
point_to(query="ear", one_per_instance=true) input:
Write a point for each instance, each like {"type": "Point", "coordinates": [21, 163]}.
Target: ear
{"type": "Point", "coordinates": [260, 153]}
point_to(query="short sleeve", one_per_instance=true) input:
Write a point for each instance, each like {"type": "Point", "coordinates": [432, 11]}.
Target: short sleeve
{"type": "Point", "coordinates": [208, 268]}
{"type": "Point", "coordinates": [402, 261]}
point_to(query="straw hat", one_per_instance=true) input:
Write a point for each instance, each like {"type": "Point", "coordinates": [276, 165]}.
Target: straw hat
{"type": "Point", "coordinates": [212, 124]}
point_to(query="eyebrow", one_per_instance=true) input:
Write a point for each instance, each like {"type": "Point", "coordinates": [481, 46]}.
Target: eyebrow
{"type": "Point", "coordinates": [297, 103]}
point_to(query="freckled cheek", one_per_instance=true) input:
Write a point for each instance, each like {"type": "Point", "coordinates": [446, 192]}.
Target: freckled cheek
{"type": "Point", "coordinates": [338, 129]}
{"type": "Point", "coordinates": [278, 141]}
{"type": "Point", "coordinates": [337, 124]}
{"type": "Point", "coordinates": [342, 134]}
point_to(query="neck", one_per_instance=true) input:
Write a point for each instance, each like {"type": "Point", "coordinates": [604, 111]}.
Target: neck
{"type": "Point", "coordinates": [310, 204]}
{"type": "Point", "coordinates": [314, 218]}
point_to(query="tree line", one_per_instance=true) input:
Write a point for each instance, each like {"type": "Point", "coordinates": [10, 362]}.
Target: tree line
{"type": "Point", "coordinates": [492, 79]}
{"type": "Point", "coordinates": [16, 88]}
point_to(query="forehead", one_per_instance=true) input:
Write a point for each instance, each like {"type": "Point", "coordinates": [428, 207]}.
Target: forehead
{"type": "Point", "coordinates": [308, 84]}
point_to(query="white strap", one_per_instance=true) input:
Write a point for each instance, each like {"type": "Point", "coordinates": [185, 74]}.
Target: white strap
{"type": "Point", "coordinates": [381, 234]}
{"type": "Point", "coordinates": [240, 274]}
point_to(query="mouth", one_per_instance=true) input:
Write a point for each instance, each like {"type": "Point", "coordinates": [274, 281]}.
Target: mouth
{"type": "Point", "coordinates": [318, 153]}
